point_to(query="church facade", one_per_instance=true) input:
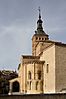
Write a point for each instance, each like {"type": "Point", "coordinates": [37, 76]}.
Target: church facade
{"type": "Point", "coordinates": [45, 70]}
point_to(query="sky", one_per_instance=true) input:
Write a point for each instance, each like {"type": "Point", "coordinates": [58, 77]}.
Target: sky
{"type": "Point", "coordinates": [18, 21]}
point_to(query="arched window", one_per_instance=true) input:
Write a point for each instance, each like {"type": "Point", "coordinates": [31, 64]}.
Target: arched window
{"type": "Point", "coordinates": [36, 38]}
{"type": "Point", "coordinates": [42, 38]}
{"type": "Point", "coordinates": [15, 86]}
{"type": "Point", "coordinates": [29, 75]}
{"type": "Point", "coordinates": [39, 38]}
{"type": "Point", "coordinates": [41, 85]}
{"type": "Point", "coordinates": [37, 85]}
{"type": "Point", "coordinates": [39, 74]}
{"type": "Point", "coordinates": [47, 68]}
{"type": "Point", "coordinates": [30, 85]}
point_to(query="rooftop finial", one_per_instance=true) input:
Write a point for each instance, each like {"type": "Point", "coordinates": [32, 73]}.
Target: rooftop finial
{"type": "Point", "coordinates": [39, 12]}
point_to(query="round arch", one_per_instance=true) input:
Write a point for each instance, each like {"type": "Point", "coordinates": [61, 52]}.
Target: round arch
{"type": "Point", "coordinates": [15, 86]}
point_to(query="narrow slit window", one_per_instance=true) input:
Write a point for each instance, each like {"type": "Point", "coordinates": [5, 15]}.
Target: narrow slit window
{"type": "Point", "coordinates": [39, 38]}
{"type": "Point", "coordinates": [30, 85]}
{"type": "Point", "coordinates": [37, 85]}
{"type": "Point", "coordinates": [47, 68]}
{"type": "Point", "coordinates": [29, 75]}
{"type": "Point", "coordinates": [39, 74]}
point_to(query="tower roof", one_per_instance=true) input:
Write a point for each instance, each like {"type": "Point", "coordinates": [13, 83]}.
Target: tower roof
{"type": "Point", "coordinates": [39, 25]}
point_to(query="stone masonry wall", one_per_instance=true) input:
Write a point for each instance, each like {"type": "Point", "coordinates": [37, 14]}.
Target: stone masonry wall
{"type": "Point", "coordinates": [60, 80]}
{"type": "Point", "coordinates": [49, 75]}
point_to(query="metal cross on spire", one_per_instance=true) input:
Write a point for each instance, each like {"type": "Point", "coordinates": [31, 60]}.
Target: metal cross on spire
{"type": "Point", "coordinates": [39, 13]}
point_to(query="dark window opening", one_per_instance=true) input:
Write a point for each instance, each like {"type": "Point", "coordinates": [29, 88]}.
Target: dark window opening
{"type": "Point", "coordinates": [36, 38]}
{"type": "Point", "coordinates": [47, 68]}
{"type": "Point", "coordinates": [39, 38]}
{"type": "Point", "coordinates": [45, 38]}
{"type": "Point", "coordinates": [15, 86]}
{"type": "Point", "coordinates": [30, 85]}
{"type": "Point", "coordinates": [29, 75]}
{"type": "Point", "coordinates": [37, 85]}
{"type": "Point", "coordinates": [42, 38]}
{"type": "Point", "coordinates": [39, 74]}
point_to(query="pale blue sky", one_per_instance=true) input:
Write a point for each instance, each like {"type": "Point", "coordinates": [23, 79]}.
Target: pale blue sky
{"type": "Point", "coordinates": [18, 22]}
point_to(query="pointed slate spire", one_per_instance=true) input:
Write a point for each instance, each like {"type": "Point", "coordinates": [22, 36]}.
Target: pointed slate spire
{"type": "Point", "coordinates": [39, 22]}
{"type": "Point", "coordinates": [39, 25]}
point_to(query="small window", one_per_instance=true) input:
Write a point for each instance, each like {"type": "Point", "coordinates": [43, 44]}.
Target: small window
{"type": "Point", "coordinates": [30, 85]}
{"type": "Point", "coordinates": [45, 38]}
{"type": "Point", "coordinates": [36, 38]}
{"type": "Point", "coordinates": [47, 68]}
{"type": "Point", "coordinates": [29, 75]}
{"type": "Point", "coordinates": [41, 85]}
{"type": "Point", "coordinates": [37, 85]}
{"type": "Point", "coordinates": [39, 38]}
{"type": "Point", "coordinates": [39, 74]}
{"type": "Point", "coordinates": [42, 38]}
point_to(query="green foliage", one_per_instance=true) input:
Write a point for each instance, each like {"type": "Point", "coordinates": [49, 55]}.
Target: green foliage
{"type": "Point", "coordinates": [5, 76]}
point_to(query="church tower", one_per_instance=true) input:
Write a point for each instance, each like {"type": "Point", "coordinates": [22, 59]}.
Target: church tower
{"type": "Point", "coordinates": [39, 36]}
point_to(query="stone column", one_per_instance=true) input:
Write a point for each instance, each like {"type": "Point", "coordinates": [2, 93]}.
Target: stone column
{"type": "Point", "coordinates": [10, 88]}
